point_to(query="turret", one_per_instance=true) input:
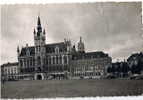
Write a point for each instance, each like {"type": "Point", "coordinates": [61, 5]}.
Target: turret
{"type": "Point", "coordinates": [39, 27]}
{"type": "Point", "coordinates": [18, 51]}
{"type": "Point", "coordinates": [44, 32]}
{"type": "Point", "coordinates": [34, 32]}
{"type": "Point", "coordinates": [39, 34]}
{"type": "Point", "coordinates": [80, 45]}
{"type": "Point", "coordinates": [68, 45]}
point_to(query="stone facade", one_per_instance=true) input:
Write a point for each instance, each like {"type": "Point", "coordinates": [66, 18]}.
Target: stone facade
{"type": "Point", "coordinates": [90, 65]}
{"type": "Point", "coordinates": [59, 60]}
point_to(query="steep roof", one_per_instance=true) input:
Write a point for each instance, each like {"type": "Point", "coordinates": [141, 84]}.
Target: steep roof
{"type": "Point", "coordinates": [31, 50]}
{"type": "Point", "coordinates": [50, 48]}
{"type": "Point", "coordinates": [89, 55]}
{"type": "Point", "coordinates": [10, 64]}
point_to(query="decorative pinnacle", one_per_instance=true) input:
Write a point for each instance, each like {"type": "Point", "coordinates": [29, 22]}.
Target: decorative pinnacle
{"type": "Point", "coordinates": [44, 32]}
{"type": "Point", "coordinates": [34, 31]}
{"type": "Point", "coordinates": [38, 22]}
{"type": "Point", "coordinates": [18, 49]}
{"type": "Point", "coordinates": [80, 38]}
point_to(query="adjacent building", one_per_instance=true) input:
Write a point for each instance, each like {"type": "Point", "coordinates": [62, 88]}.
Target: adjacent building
{"type": "Point", "coordinates": [10, 71]}
{"type": "Point", "coordinates": [90, 65]}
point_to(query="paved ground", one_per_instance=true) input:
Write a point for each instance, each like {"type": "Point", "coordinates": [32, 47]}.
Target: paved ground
{"type": "Point", "coordinates": [71, 88]}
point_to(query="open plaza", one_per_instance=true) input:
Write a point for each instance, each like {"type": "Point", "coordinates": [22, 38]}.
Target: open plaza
{"type": "Point", "coordinates": [71, 88]}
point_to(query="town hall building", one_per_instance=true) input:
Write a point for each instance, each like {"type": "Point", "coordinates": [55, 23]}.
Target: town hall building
{"type": "Point", "coordinates": [60, 60]}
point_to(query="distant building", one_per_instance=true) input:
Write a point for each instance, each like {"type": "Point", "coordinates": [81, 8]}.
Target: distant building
{"type": "Point", "coordinates": [59, 60]}
{"type": "Point", "coordinates": [10, 71]}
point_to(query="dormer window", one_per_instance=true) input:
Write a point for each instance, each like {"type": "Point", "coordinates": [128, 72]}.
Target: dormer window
{"type": "Point", "coordinates": [56, 50]}
{"type": "Point", "coordinates": [27, 52]}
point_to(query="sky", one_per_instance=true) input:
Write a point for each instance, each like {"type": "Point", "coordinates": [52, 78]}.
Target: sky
{"type": "Point", "coordinates": [114, 28]}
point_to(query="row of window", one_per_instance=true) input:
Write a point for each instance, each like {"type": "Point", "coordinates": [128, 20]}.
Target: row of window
{"type": "Point", "coordinates": [10, 70]}
{"type": "Point", "coordinates": [25, 70]}
{"type": "Point", "coordinates": [49, 60]}
{"type": "Point", "coordinates": [88, 74]}
{"type": "Point", "coordinates": [48, 68]}
{"type": "Point", "coordinates": [92, 62]}
{"type": "Point", "coordinates": [27, 62]}
{"type": "Point", "coordinates": [90, 68]}
{"type": "Point", "coordinates": [56, 68]}
{"type": "Point", "coordinates": [57, 60]}
{"type": "Point", "coordinates": [17, 77]}
{"type": "Point", "coordinates": [38, 49]}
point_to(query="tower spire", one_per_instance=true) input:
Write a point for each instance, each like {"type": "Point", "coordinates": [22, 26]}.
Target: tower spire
{"type": "Point", "coordinates": [39, 34]}
{"type": "Point", "coordinates": [80, 45]}
{"type": "Point", "coordinates": [34, 31]}
{"type": "Point", "coordinates": [80, 39]}
{"type": "Point", "coordinates": [44, 32]}
{"type": "Point", "coordinates": [39, 21]}
{"type": "Point", "coordinates": [18, 50]}
{"type": "Point", "coordinates": [39, 27]}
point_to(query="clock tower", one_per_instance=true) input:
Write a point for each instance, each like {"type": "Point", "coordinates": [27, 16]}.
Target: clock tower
{"type": "Point", "coordinates": [39, 42]}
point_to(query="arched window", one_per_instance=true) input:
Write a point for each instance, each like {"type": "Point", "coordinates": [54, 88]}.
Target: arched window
{"type": "Point", "coordinates": [39, 48]}
{"type": "Point", "coordinates": [27, 62]}
{"type": "Point", "coordinates": [30, 61]}
{"type": "Point", "coordinates": [60, 58]}
{"type": "Point", "coordinates": [49, 60]}
{"type": "Point", "coordinates": [33, 62]}
{"type": "Point", "coordinates": [21, 63]}
{"type": "Point", "coordinates": [53, 60]}
{"type": "Point", "coordinates": [24, 62]}
{"type": "Point", "coordinates": [65, 59]}
{"type": "Point", "coordinates": [39, 60]}
{"type": "Point", "coordinates": [57, 59]}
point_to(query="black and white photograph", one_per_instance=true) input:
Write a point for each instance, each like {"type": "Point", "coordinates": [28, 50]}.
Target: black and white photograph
{"type": "Point", "coordinates": [69, 50]}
